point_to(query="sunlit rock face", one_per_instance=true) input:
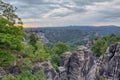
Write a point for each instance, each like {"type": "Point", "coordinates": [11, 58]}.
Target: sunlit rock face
{"type": "Point", "coordinates": [82, 65]}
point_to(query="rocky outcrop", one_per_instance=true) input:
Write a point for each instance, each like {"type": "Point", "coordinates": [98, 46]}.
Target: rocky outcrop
{"type": "Point", "coordinates": [77, 64]}
{"type": "Point", "coordinates": [82, 65]}
{"type": "Point", "coordinates": [107, 66]}
{"type": "Point", "coordinates": [50, 72]}
{"type": "Point", "coordinates": [2, 72]}
{"type": "Point", "coordinates": [40, 35]}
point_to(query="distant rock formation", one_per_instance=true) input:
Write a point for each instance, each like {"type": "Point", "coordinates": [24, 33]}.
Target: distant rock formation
{"type": "Point", "coordinates": [40, 35]}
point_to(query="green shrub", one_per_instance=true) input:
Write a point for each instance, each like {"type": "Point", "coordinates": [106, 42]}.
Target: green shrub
{"type": "Point", "coordinates": [10, 40]}
{"type": "Point", "coordinates": [40, 75]}
{"type": "Point", "coordinates": [25, 65]}
{"type": "Point", "coordinates": [28, 50]}
{"type": "Point", "coordinates": [60, 48]}
{"type": "Point", "coordinates": [6, 57]}
{"type": "Point", "coordinates": [40, 54]}
{"type": "Point", "coordinates": [55, 59]}
{"type": "Point", "coordinates": [101, 43]}
{"type": "Point", "coordinates": [9, 77]}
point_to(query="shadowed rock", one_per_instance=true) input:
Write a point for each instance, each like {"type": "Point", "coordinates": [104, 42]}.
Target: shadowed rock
{"type": "Point", "coordinates": [82, 65]}
{"type": "Point", "coordinates": [2, 72]}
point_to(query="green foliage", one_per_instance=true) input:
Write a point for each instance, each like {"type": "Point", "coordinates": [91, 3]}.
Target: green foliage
{"type": "Point", "coordinates": [25, 76]}
{"type": "Point", "coordinates": [11, 43]}
{"type": "Point", "coordinates": [60, 48]}
{"type": "Point", "coordinates": [40, 75]}
{"type": "Point", "coordinates": [33, 39]}
{"type": "Point", "coordinates": [25, 65]}
{"type": "Point", "coordinates": [56, 51]}
{"type": "Point", "coordinates": [28, 50]}
{"type": "Point", "coordinates": [9, 77]}
{"type": "Point", "coordinates": [10, 39]}
{"type": "Point", "coordinates": [6, 57]}
{"type": "Point", "coordinates": [101, 43]}
{"type": "Point", "coordinates": [55, 59]}
{"type": "Point", "coordinates": [29, 76]}
{"type": "Point", "coordinates": [10, 35]}
{"type": "Point", "coordinates": [26, 72]}
{"type": "Point", "coordinates": [41, 53]}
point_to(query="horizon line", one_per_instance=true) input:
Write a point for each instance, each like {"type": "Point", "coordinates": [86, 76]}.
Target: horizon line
{"type": "Point", "coordinates": [73, 26]}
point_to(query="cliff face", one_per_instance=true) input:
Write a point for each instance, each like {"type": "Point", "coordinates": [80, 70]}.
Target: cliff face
{"type": "Point", "coordinates": [82, 65]}
{"type": "Point", "coordinates": [40, 35]}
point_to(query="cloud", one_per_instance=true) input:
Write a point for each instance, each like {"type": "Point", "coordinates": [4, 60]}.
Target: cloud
{"type": "Point", "coordinates": [67, 12]}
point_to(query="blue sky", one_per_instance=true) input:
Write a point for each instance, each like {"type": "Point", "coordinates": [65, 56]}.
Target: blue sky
{"type": "Point", "coordinates": [45, 13]}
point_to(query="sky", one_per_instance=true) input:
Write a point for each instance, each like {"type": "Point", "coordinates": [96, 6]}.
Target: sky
{"type": "Point", "coordinates": [53, 13]}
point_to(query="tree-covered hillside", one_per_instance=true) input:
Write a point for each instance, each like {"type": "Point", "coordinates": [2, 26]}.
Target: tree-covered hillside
{"type": "Point", "coordinates": [75, 35]}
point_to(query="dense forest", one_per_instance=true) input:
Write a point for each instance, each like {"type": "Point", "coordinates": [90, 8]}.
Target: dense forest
{"type": "Point", "coordinates": [17, 57]}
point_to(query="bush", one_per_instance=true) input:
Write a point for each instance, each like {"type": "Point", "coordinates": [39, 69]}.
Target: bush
{"type": "Point", "coordinates": [10, 39]}
{"type": "Point", "coordinates": [28, 50]}
{"type": "Point", "coordinates": [25, 65]}
{"type": "Point", "coordinates": [55, 60]}
{"type": "Point", "coordinates": [9, 77]}
{"type": "Point", "coordinates": [41, 53]}
{"type": "Point", "coordinates": [60, 48]}
{"type": "Point", "coordinates": [38, 54]}
{"type": "Point", "coordinates": [6, 57]}
{"type": "Point", "coordinates": [26, 76]}
{"type": "Point", "coordinates": [56, 51]}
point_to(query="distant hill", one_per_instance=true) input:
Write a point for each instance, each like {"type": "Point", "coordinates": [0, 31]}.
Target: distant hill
{"type": "Point", "coordinates": [103, 30]}
{"type": "Point", "coordinates": [75, 34]}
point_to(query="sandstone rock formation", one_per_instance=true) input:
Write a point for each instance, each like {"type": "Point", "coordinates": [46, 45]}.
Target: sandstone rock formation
{"type": "Point", "coordinates": [78, 64]}
{"type": "Point", "coordinates": [82, 65]}
{"type": "Point", "coordinates": [50, 72]}
{"type": "Point", "coordinates": [107, 67]}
